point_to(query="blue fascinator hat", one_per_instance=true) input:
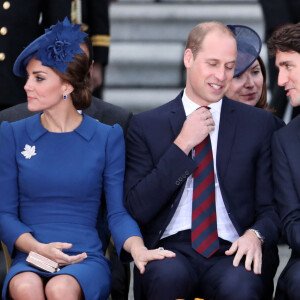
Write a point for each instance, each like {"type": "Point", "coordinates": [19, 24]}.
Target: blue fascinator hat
{"type": "Point", "coordinates": [248, 46]}
{"type": "Point", "coordinates": [55, 48]}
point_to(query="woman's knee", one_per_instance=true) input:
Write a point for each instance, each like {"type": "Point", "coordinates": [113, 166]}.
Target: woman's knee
{"type": "Point", "coordinates": [26, 285]}
{"type": "Point", "coordinates": [63, 287]}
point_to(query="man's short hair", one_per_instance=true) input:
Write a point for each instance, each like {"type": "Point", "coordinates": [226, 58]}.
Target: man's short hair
{"type": "Point", "coordinates": [198, 33]}
{"type": "Point", "coordinates": [285, 39]}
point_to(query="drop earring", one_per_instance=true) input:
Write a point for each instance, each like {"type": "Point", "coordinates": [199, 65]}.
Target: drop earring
{"type": "Point", "coordinates": [65, 97]}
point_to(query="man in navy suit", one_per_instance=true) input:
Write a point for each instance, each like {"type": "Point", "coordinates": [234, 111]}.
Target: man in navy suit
{"type": "Point", "coordinates": [159, 183]}
{"type": "Point", "coordinates": [284, 43]}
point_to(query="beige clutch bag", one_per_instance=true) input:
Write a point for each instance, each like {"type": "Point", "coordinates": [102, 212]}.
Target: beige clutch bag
{"type": "Point", "coordinates": [41, 262]}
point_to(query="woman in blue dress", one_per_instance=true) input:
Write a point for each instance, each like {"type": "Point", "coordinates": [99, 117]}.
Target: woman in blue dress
{"type": "Point", "coordinates": [53, 168]}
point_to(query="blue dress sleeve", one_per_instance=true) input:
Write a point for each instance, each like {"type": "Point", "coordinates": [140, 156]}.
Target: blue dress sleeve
{"type": "Point", "coordinates": [121, 224]}
{"type": "Point", "coordinates": [10, 225]}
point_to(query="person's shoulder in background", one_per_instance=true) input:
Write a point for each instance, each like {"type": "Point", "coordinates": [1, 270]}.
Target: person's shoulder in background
{"type": "Point", "coordinates": [15, 113]}
{"type": "Point", "coordinates": [108, 113]}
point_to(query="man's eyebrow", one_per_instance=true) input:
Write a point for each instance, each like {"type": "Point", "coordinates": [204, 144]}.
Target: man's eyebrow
{"type": "Point", "coordinates": [284, 63]}
{"type": "Point", "coordinates": [212, 59]}
{"type": "Point", "coordinates": [231, 62]}
{"type": "Point", "coordinates": [216, 60]}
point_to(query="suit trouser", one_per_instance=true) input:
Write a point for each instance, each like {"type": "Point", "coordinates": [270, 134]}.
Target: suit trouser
{"type": "Point", "coordinates": [190, 275]}
{"type": "Point", "coordinates": [288, 286]}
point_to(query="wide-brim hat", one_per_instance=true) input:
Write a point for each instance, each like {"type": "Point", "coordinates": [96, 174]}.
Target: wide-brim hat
{"type": "Point", "coordinates": [55, 48]}
{"type": "Point", "coordinates": [248, 45]}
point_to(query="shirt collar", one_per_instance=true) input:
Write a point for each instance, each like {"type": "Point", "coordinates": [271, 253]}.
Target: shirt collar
{"type": "Point", "coordinates": [190, 106]}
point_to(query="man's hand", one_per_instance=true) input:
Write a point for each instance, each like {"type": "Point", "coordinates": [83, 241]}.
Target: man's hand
{"type": "Point", "coordinates": [250, 245]}
{"type": "Point", "coordinates": [195, 129]}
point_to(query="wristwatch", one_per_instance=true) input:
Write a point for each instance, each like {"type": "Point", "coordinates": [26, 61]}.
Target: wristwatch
{"type": "Point", "coordinates": [259, 236]}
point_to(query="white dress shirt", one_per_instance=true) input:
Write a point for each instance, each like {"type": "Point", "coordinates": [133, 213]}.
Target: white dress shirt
{"type": "Point", "coordinates": [182, 218]}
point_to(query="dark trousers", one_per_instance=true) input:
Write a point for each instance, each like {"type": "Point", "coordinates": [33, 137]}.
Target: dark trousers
{"type": "Point", "coordinates": [190, 275]}
{"type": "Point", "coordinates": [288, 286]}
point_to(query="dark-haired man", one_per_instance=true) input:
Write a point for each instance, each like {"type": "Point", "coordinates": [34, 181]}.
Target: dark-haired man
{"type": "Point", "coordinates": [285, 45]}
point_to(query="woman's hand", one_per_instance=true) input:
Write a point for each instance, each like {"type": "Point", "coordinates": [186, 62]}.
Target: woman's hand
{"type": "Point", "coordinates": [26, 243]}
{"type": "Point", "coordinates": [55, 252]}
{"type": "Point", "coordinates": [141, 255]}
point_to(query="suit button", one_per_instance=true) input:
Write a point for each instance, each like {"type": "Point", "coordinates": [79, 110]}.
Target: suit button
{"type": "Point", "coordinates": [177, 182]}
{"type": "Point", "coordinates": [172, 205]}
{"type": "Point", "coordinates": [3, 31]}
{"type": "Point", "coordinates": [6, 5]}
{"type": "Point", "coordinates": [186, 172]}
{"type": "Point", "coordinates": [159, 232]}
{"type": "Point", "coordinates": [2, 56]}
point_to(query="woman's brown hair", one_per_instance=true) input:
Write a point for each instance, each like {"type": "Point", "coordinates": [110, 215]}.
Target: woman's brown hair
{"type": "Point", "coordinates": [262, 102]}
{"type": "Point", "coordinates": [78, 75]}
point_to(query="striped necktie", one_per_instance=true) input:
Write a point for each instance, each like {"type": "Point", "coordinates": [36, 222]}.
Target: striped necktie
{"type": "Point", "coordinates": [204, 224]}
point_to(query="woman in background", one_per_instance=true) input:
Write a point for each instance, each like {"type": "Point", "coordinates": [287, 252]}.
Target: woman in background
{"type": "Point", "coordinates": [249, 83]}
{"type": "Point", "coordinates": [250, 86]}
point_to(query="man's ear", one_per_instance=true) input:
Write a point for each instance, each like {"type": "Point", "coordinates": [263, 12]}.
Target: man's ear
{"type": "Point", "coordinates": [188, 58]}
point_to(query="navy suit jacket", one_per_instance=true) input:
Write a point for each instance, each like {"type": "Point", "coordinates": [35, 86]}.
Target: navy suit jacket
{"type": "Point", "coordinates": [286, 165]}
{"type": "Point", "coordinates": [157, 169]}
{"type": "Point", "coordinates": [286, 173]}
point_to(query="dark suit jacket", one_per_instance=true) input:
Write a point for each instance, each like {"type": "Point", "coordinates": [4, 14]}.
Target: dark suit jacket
{"type": "Point", "coordinates": [22, 22]}
{"type": "Point", "coordinates": [286, 173]}
{"type": "Point", "coordinates": [286, 162]}
{"type": "Point", "coordinates": [279, 12]}
{"type": "Point", "coordinates": [157, 169]}
{"type": "Point", "coordinates": [100, 110]}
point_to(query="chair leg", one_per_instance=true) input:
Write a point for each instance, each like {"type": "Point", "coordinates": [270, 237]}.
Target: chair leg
{"type": "Point", "coordinates": [7, 256]}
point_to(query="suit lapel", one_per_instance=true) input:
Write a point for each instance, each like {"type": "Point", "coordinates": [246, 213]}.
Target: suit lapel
{"type": "Point", "coordinates": [177, 115]}
{"type": "Point", "coordinates": [227, 130]}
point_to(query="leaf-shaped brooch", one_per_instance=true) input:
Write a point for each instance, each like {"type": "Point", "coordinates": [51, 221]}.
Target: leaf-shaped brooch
{"type": "Point", "coordinates": [29, 151]}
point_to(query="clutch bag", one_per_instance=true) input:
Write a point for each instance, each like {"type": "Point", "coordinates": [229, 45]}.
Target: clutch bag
{"type": "Point", "coordinates": [41, 262]}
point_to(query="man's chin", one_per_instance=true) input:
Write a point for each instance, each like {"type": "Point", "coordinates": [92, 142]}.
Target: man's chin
{"type": "Point", "coordinates": [294, 100]}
